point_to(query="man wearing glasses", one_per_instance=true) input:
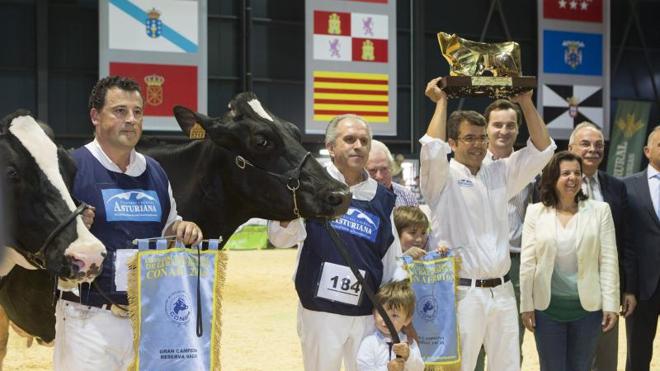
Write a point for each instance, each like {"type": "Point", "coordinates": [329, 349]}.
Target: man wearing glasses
{"type": "Point", "coordinates": [468, 203]}
{"type": "Point", "coordinates": [587, 141]}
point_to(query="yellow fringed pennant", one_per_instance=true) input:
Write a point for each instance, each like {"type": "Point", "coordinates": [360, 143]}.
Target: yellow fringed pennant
{"type": "Point", "coordinates": [162, 296]}
{"type": "Point", "coordinates": [434, 280]}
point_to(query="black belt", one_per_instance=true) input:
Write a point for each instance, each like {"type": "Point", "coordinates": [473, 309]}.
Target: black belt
{"type": "Point", "coordinates": [490, 282]}
{"type": "Point", "coordinates": [514, 253]}
{"type": "Point", "coordinates": [69, 296]}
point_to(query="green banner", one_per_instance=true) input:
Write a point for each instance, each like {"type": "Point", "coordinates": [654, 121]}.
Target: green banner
{"type": "Point", "coordinates": [627, 139]}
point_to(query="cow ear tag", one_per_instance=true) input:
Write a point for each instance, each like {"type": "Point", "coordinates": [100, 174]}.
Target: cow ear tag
{"type": "Point", "coordinates": [197, 132]}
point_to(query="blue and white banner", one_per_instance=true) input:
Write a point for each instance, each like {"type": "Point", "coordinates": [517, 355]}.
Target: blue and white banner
{"type": "Point", "coordinates": [148, 25]}
{"type": "Point", "coordinates": [164, 303]}
{"type": "Point", "coordinates": [434, 283]}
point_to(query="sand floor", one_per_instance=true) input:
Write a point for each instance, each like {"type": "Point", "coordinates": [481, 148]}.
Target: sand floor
{"type": "Point", "coordinates": [259, 321]}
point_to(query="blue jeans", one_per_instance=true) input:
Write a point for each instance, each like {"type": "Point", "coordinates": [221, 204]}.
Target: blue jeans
{"type": "Point", "coordinates": [567, 346]}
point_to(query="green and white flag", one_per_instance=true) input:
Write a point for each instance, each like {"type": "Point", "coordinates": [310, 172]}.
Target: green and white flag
{"type": "Point", "coordinates": [627, 139]}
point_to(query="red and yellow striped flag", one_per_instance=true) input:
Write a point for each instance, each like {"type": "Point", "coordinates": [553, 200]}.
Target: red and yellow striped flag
{"type": "Point", "coordinates": [363, 94]}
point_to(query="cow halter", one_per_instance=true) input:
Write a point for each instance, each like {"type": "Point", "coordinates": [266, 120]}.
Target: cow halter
{"type": "Point", "coordinates": [38, 259]}
{"type": "Point", "coordinates": [291, 178]}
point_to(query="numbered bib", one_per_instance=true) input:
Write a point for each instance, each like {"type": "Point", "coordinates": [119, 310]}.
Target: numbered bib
{"type": "Point", "coordinates": [338, 284]}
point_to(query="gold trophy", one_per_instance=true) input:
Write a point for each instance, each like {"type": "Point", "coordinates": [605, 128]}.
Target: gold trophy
{"type": "Point", "coordinates": [482, 69]}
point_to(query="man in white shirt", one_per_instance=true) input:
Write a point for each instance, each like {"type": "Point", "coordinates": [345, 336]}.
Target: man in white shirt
{"type": "Point", "coordinates": [93, 331]}
{"type": "Point", "coordinates": [334, 314]}
{"type": "Point", "coordinates": [468, 203]}
{"type": "Point", "coordinates": [587, 141]}
{"type": "Point", "coordinates": [503, 119]}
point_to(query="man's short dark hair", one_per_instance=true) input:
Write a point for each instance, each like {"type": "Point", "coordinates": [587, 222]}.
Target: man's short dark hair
{"type": "Point", "coordinates": [550, 176]}
{"type": "Point", "coordinates": [97, 96]}
{"type": "Point", "coordinates": [503, 104]}
{"type": "Point", "coordinates": [456, 117]}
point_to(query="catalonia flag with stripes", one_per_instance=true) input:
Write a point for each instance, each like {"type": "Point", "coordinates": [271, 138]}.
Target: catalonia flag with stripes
{"type": "Point", "coordinates": [363, 94]}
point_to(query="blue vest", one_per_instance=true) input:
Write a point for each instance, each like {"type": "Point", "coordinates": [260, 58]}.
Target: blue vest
{"type": "Point", "coordinates": [366, 231]}
{"type": "Point", "coordinates": [126, 208]}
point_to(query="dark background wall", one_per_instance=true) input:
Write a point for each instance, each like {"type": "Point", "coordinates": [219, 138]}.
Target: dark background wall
{"type": "Point", "coordinates": [49, 58]}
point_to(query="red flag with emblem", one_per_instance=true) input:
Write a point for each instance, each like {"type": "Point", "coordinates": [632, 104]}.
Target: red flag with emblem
{"type": "Point", "coordinates": [574, 10]}
{"type": "Point", "coordinates": [332, 23]}
{"type": "Point", "coordinates": [162, 86]}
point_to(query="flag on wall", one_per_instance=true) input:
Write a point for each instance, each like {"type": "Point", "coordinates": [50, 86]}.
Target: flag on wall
{"type": "Point", "coordinates": [565, 106]}
{"type": "Point", "coordinates": [147, 25]}
{"type": "Point", "coordinates": [363, 94]}
{"type": "Point", "coordinates": [574, 10]}
{"type": "Point", "coordinates": [576, 53]}
{"type": "Point", "coordinates": [162, 86]}
{"type": "Point", "coordinates": [357, 37]}
{"type": "Point", "coordinates": [628, 137]}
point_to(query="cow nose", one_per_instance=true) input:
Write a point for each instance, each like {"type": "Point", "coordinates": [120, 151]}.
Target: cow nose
{"type": "Point", "coordinates": [336, 198]}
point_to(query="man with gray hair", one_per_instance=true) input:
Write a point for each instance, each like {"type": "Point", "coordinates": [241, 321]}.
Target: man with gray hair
{"type": "Point", "coordinates": [380, 166]}
{"type": "Point", "coordinates": [333, 314]}
{"type": "Point", "coordinates": [587, 141]}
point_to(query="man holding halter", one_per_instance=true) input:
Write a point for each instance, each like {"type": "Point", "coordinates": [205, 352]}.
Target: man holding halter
{"type": "Point", "coordinates": [334, 315]}
{"type": "Point", "coordinates": [132, 198]}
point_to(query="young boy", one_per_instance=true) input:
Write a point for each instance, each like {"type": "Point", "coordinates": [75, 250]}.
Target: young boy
{"type": "Point", "coordinates": [377, 353]}
{"type": "Point", "coordinates": [412, 225]}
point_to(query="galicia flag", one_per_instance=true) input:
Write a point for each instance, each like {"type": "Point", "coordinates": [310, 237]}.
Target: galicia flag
{"type": "Point", "coordinates": [575, 53]}
{"type": "Point", "coordinates": [153, 26]}
{"type": "Point", "coordinates": [162, 86]}
{"type": "Point", "coordinates": [574, 10]}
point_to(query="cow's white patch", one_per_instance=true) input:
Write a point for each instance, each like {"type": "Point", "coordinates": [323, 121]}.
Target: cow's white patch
{"type": "Point", "coordinates": [9, 258]}
{"type": "Point", "coordinates": [87, 247]}
{"type": "Point", "coordinates": [259, 110]}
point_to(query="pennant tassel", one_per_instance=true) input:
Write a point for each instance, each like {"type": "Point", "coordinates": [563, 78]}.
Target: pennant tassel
{"type": "Point", "coordinates": [133, 292]}
{"type": "Point", "coordinates": [220, 274]}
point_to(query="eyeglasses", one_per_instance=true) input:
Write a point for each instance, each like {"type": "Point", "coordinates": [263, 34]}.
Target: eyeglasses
{"type": "Point", "coordinates": [470, 139]}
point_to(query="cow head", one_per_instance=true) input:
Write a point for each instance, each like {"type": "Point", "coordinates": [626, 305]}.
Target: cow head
{"type": "Point", "coordinates": [269, 166]}
{"type": "Point", "coordinates": [38, 176]}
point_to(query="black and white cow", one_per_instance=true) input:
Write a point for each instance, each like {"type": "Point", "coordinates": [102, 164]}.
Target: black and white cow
{"type": "Point", "coordinates": [246, 167]}
{"type": "Point", "coordinates": [239, 171]}
{"type": "Point", "coordinates": [48, 239]}
{"type": "Point", "coordinates": [37, 176]}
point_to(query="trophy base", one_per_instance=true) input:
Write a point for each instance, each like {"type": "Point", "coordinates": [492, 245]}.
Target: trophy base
{"type": "Point", "coordinates": [486, 86]}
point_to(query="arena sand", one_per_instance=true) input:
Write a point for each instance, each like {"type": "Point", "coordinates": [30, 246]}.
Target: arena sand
{"type": "Point", "coordinates": [259, 321]}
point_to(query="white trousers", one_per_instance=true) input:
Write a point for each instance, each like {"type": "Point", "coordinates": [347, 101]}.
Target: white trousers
{"type": "Point", "coordinates": [91, 339]}
{"type": "Point", "coordinates": [327, 338]}
{"type": "Point", "coordinates": [489, 316]}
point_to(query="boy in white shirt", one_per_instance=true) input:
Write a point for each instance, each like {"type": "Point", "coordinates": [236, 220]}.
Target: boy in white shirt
{"type": "Point", "coordinates": [377, 353]}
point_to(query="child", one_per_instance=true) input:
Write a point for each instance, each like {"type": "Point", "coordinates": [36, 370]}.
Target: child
{"type": "Point", "coordinates": [377, 353]}
{"type": "Point", "coordinates": [412, 225]}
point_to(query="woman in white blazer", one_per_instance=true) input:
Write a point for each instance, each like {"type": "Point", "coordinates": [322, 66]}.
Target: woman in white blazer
{"type": "Point", "coordinates": [569, 276]}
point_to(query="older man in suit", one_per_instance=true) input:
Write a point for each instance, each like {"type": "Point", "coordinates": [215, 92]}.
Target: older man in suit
{"type": "Point", "coordinates": [587, 141]}
{"type": "Point", "coordinates": [644, 223]}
